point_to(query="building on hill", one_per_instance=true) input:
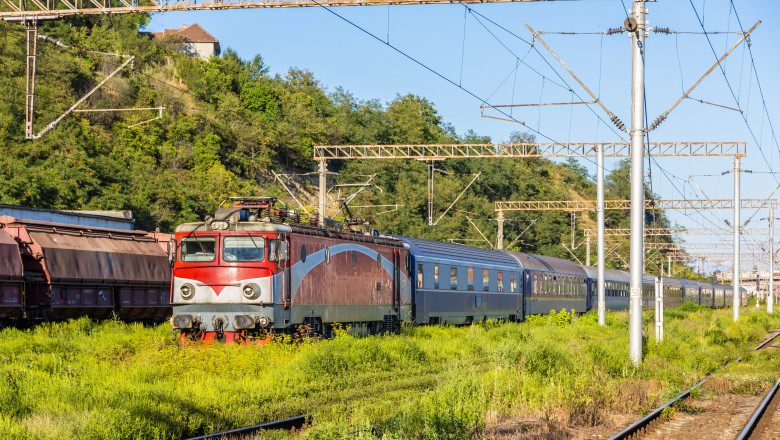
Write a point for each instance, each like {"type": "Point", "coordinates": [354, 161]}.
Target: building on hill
{"type": "Point", "coordinates": [197, 42]}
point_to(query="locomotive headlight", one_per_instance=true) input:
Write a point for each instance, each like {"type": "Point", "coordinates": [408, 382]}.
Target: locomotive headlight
{"type": "Point", "coordinates": [187, 291]}
{"type": "Point", "coordinates": [264, 321]}
{"type": "Point", "coordinates": [249, 291]}
{"type": "Point", "coordinates": [219, 225]}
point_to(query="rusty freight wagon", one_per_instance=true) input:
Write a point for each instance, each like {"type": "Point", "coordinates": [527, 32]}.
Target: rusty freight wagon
{"type": "Point", "coordinates": [71, 271]}
{"type": "Point", "coordinates": [11, 277]}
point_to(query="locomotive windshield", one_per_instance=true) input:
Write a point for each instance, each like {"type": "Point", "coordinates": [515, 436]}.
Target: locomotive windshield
{"type": "Point", "coordinates": [243, 249]}
{"type": "Point", "coordinates": [198, 249]}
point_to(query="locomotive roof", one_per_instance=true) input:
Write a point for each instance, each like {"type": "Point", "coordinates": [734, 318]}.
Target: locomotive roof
{"type": "Point", "coordinates": [240, 226]}
{"type": "Point", "coordinates": [264, 226]}
{"type": "Point", "coordinates": [547, 264]}
{"type": "Point", "coordinates": [457, 252]}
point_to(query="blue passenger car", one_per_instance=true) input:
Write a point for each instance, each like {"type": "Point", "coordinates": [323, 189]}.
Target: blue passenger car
{"type": "Point", "coordinates": [691, 290]}
{"type": "Point", "coordinates": [706, 294]}
{"type": "Point", "coordinates": [616, 288]}
{"type": "Point", "coordinates": [648, 291]}
{"type": "Point", "coordinates": [456, 284]}
{"type": "Point", "coordinates": [552, 284]}
{"type": "Point", "coordinates": [719, 295]}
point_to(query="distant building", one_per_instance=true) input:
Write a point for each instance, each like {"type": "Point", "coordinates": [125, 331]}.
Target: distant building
{"type": "Point", "coordinates": [197, 42]}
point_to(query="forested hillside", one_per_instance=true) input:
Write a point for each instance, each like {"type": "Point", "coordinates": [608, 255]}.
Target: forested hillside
{"type": "Point", "coordinates": [228, 123]}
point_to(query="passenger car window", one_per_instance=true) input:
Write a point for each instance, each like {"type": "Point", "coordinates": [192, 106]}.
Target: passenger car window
{"type": "Point", "coordinates": [419, 275]}
{"type": "Point", "coordinates": [198, 249]}
{"type": "Point", "coordinates": [485, 280]}
{"type": "Point", "coordinates": [453, 277]}
{"type": "Point", "coordinates": [512, 282]}
{"type": "Point", "coordinates": [436, 276]}
{"type": "Point", "coordinates": [500, 281]}
{"type": "Point", "coordinates": [244, 248]}
{"type": "Point", "coordinates": [470, 276]}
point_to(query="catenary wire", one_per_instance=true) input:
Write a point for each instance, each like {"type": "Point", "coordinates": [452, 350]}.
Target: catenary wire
{"type": "Point", "coordinates": [731, 90]}
{"type": "Point", "coordinates": [536, 49]}
{"type": "Point", "coordinates": [758, 82]}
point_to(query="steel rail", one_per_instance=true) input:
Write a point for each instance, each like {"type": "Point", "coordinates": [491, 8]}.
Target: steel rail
{"type": "Point", "coordinates": [628, 432]}
{"type": "Point", "coordinates": [292, 422]}
{"type": "Point", "coordinates": [645, 421]}
{"type": "Point", "coordinates": [753, 422]}
{"type": "Point", "coordinates": [767, 341]}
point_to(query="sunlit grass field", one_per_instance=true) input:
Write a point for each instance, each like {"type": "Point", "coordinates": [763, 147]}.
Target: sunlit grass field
{"type": "Point", "coordinates": [113, 380]}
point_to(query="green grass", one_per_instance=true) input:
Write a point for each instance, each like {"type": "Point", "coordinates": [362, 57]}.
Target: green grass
{"type": "Point", "coordinates": [83, 379]}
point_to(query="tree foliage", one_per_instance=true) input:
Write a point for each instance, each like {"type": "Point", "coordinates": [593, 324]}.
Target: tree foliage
{"type": "Point", "coordinates": [228, 123]}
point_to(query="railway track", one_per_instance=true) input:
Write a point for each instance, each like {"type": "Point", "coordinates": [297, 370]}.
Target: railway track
{"type": "Point", "coordinates": [764, 424]}
{"type": "Point", "coordinates": [286, 424]}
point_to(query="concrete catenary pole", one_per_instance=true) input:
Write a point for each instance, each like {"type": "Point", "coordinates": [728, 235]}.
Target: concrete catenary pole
{"type": "Point", "coordinates": [602, 308]}
{"type": "Point", "coordinates": [323, 170]}
{"type": "Point", "coordinates": [735, 283]}
{"type": "Point", "coordinates": [500, 234]}
{"type": "Point", "coordinates": [659, 309]}
{"type": "Point", "coordinates": [587, 250]}
{"type": "Point", "coordinates": [637, 180]}
{"type": "Point", "coordinates": [770, 299]}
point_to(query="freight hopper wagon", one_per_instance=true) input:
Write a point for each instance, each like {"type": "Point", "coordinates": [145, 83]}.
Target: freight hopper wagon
{"type": "Point", "coordinates": [11, 278]}
{"type": "Point", "coordinates": [254, 270]}
{"type": "Point", "coordinates": [52, 271]}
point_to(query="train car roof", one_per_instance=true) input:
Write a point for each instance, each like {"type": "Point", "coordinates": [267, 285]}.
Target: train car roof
{"type": "Point", "coordinates": [456, 252]}
{"type": "Point", "coordinates": [669, 281]}
{"type": "Point", "coordinates": [547, 264]}
{"type": "Point", "coordinates": [609, 274]}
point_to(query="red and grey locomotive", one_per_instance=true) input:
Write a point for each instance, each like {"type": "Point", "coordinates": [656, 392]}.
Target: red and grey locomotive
{"type": "Point", "coordinates": [254, 270]}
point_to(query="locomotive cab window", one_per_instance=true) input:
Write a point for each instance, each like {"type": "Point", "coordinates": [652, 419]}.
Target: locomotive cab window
{"type": "Point", "coordinates": [246, 248]}
{"type": "Point", "coordinates": [198, 249]}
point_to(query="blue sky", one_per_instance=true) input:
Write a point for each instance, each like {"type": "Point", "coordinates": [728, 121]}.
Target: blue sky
{"type": "Point", "coordinates": [339, 54]}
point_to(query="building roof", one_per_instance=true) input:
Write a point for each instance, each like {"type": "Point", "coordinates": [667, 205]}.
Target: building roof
{"type": "Point", "coordinates": [193, 33]}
